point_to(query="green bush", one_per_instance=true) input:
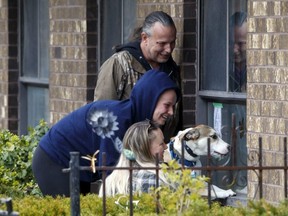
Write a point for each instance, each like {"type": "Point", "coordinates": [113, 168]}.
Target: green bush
{"type": "Point", "coordinates": [16, 178]}
{"type": "Point", "coordinates": [92, 205]}
{"type": "Point", "coordinates": [262, 207]}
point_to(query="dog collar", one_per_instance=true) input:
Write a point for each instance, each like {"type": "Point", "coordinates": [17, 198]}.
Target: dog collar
{"type": "Point", "coordinates": [189, 150]}
{"type": "Point", "coordinates": [176, 157]}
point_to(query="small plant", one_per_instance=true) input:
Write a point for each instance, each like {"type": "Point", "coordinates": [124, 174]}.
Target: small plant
{"type": "Point", "coordinates": [16, 177]}
{"type": "Point", "coordinates": [186, 194]}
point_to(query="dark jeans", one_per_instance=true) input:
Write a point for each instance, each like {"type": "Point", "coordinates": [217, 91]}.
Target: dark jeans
{"type": "Point", "coordinates": [50, 178]}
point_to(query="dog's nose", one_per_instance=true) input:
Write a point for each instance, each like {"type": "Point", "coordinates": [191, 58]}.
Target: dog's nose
{"type": "Point", "coordinates": [228, 147]}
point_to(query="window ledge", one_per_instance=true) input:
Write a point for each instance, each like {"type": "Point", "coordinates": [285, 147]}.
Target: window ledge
{"type": "Point", "coordinates": [222, 95]}
{"type": "Point", "coordinates": [32, 80]}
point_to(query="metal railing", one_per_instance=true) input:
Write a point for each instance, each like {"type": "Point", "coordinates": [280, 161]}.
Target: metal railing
{"type": "Point", "coordinates": [74, 170]}
{"type": "Point", "coordinates": [9, 208]}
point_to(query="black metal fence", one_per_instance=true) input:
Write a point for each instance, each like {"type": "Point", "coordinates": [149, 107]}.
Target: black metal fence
{"type": "Point", "coordinates": [9, 208]}
{"type": "Point", "coordinates": [74, 170]}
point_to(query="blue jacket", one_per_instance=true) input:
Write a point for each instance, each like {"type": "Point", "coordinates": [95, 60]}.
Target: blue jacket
{"type": "Point", "coordinates": [101, 124]}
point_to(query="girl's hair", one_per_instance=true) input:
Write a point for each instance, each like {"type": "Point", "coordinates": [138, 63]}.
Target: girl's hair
{"type": "Point", "coordinates": [150, 20]}
{"type": "Point", "coordinates": [137, 139]}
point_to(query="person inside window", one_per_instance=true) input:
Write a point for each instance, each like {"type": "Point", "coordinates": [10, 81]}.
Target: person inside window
{"type": "Point", "coordinates": [239, 69]}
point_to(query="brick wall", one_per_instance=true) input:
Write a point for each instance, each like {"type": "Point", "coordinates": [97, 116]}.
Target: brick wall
{"type": "Point", "coordinates": [189, 62]}
{"type": "Point", "coordinates": [73, 41]}
{"type": "Point", "coordinates": [8, 66]}
{"type": "Point", "coordinates": [267, 76]}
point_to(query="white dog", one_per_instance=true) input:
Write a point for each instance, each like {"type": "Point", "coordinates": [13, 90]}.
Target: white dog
{"type": "Point", "coordinates": [195, 141]}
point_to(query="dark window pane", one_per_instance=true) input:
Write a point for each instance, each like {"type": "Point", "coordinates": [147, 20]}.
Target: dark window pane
{"type": "Point", "coordinates": [37, 104]}
{"type": "Point", "coordinates": [223, 45]}
{"type": "Point", "coordinates": [117, 24]}
{"type": "Point", "coordinates": [224, 110]}
{"type": "Point", "coordinates": [238, 156]}
{"type": "Point", "coordinates": [237, 38]}
{"type": "Point", "coordinates": [214, 45]}
{"type": "Point", "coordinates": [35, 39]}
{"type": "Point", "coordinates": [43, 19]}
{"type": "Point", "coordinates": [110, 23]}
{"type": "Point", "coordinates": [30, 39]}
{"type": "Point", "coordinates": [34, 43]}
{"type": "Point", "coordinates": [129, 18]}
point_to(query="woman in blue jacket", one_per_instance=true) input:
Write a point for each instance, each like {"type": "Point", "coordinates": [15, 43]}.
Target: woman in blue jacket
{"type": "Point", "coordinates": [100, 126]}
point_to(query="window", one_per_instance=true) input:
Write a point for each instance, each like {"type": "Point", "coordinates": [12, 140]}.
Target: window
{"type": "Point", "coordinates": [222, 84]}
{"type": "Point", "coordinates": [117, 22]}
{"type": "Point", "coordinates": [34, 63]}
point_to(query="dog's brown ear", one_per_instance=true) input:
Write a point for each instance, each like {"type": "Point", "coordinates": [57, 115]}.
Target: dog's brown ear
{"type": "Point", "coordinates": [193, 134]}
